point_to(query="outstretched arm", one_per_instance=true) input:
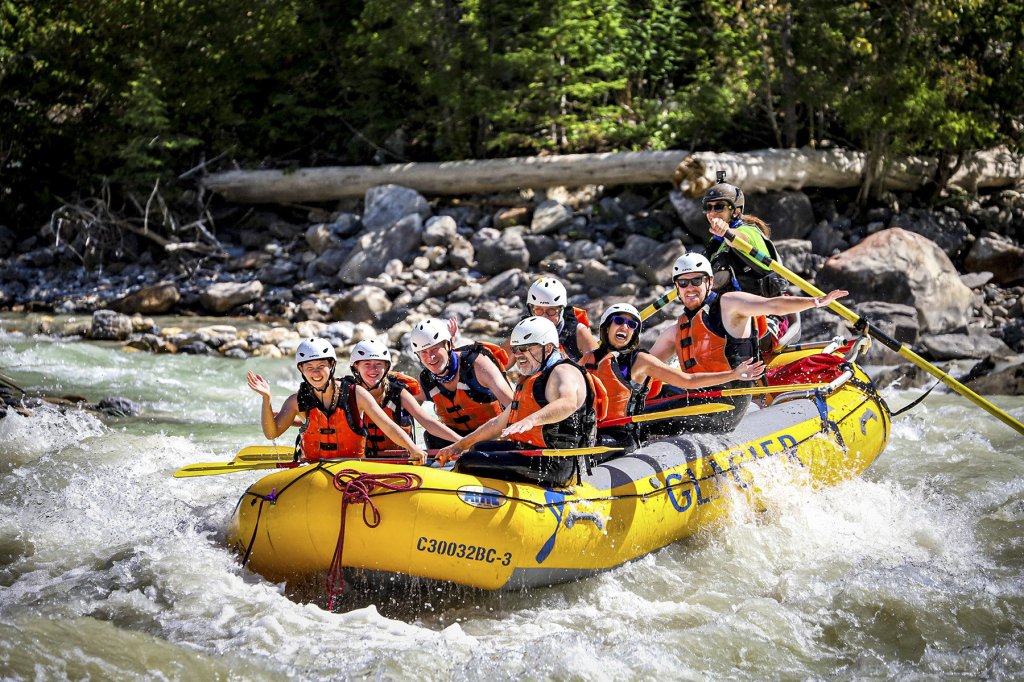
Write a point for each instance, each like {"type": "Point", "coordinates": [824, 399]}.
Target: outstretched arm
{"type": "Point", "coordinates": [739, 306]}
{"type": "Point", "coordinates": [392, 430]}
{"type": "Point", "coordinates": [565, 392]}
{"type": "Point", "coordinates": [584, 339]}
{"type": "Point", "coordinates": [489, 430]}
{"type": "Point", "coordinates": [665, 347]}
{"type": "Point", "coordinates": [273, 424]}
{"type": "Point", "coordinates": [646, 365]}
{"type": "Point", "coordinates": [428, 421]}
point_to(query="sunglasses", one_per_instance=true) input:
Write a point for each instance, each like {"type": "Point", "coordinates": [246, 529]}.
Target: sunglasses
{"type": "Point", "coordinates": [683, 282]}
{"type": "Point", "coordinates": [518, 350]}
{"type": "Point", "coordinates": [628, 321]}
{"type": "Point", "coordinates": [717, 206]}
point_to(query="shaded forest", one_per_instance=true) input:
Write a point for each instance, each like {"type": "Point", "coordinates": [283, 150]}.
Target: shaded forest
{"type": "Point", "coordinates": [124, 102]}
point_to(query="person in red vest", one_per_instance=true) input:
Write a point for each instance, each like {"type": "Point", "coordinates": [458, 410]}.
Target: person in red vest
{"type": "Point", "coordinates": [467, 384]}
{"type": "Point", "coordinates": [716, 333]}
{"type": "Point", "coordinates": [630, 373]}
{"type": "Point", "coordinates": [556, 404]}
{"type": "Point", "coordinates": [331, 411]}
{"type": "Point", "coordinates": [395, 393]}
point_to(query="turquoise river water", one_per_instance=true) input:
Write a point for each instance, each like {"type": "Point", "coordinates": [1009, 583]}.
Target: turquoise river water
{"type": "Point", "coordinates": [110, 569]}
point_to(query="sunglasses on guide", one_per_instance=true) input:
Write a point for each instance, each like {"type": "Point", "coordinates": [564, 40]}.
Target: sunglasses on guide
{"type": "Point", "coordinates": [683, 282]}
{"type": "Point", "coordinates": [628, 321]}
{"type": "Point", "coordinates": [717, 206]}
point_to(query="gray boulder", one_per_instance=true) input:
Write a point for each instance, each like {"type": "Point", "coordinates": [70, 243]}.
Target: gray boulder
{"type": "Point", "coordinates": [788, 214]}
{"type": "Point", "coordinates": [650, 259]}
{"type": "Point", "coordinates": [898, 266]}
{"type": "Point", "coordinates": [108, 325]}
{"type": "Point", "coordinates": [375, 248]}
{"type": "Point", "coordinates": [497, 251]}
{"type": "Point", "coordinates": [223, 296]}
{"type": "Point", "coordinates": [1004, 259]}
{"type": "Point", "coordinates": [363, 303]}
{"type": "Point", "coordinates": [387, 204]}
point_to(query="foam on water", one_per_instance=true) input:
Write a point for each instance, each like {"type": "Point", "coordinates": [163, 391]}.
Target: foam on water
{"type": "Point", "coordinates": [912, 569]}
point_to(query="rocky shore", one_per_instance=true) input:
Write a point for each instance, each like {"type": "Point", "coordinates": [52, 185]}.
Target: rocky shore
{"type": "Point", "coordinates": [947, 281]}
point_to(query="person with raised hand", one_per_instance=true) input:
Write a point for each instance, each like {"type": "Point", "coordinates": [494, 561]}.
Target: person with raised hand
{"type": "Point", "coordinates": [396, 393]}
{"type": "Point", "coordinates": [331, 410]}
{"type": "Point", "coordinates": [630, 373]}
{"type": "Point", "coordinates": [716, 333]}
{"type": "Point", "coordinates": [467, 384]}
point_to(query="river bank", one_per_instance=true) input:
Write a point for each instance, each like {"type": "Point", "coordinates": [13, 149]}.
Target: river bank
{"type": "Point", "coordinates": [947, 281]}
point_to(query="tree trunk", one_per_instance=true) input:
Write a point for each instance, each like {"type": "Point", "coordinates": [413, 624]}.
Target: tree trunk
{"type": "Point", "coordinates": [759, 171]}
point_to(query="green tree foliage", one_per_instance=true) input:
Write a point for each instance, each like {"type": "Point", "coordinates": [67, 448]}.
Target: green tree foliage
{"type": "Point", "coordinates": [122, 93]}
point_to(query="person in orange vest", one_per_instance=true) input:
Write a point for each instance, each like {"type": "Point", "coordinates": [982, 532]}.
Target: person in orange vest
{"type": "Point", "coordinates": [630, 373]}
{"type": "Point", "coordinates": [331, 411]}
{"type": "Point", "coordinates": [716, 333]}
{"type": "Point", "coordinates": [395, 393]}
{"type": "Point", "coordinates": [467, 384]}
{"type": "Point", "coordinates": [556, 404]}
{"type": "Point", "coordinates": [548, 298]}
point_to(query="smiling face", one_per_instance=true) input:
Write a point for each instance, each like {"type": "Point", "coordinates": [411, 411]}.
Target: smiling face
{"type": "Point", "coordinates": [317, 372]}
{"type": "Point", "coordinates": [435, 358]}
{"type": "Point", "coordinates": [693, 288]}
{"type": "Point", "coordinates": [371, 371]}
{"type": "Point", "coordinates": [621, 329]}
{"type": "Point", "coordinates": [529, 357]}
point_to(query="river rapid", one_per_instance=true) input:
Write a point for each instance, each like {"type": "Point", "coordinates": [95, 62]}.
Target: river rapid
{"type": "Point", "coordinates": [112, 569]}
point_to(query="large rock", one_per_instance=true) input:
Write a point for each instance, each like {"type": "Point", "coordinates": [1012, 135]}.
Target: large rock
{"type": "Point", "coordinates": [361, 304]}
{"type": "Point", "coordinates": [108, 325]}
{"type": "Point", "coordinates": [1002, 258]}
{"type": "Point", "coordinates": [650, 259]}
{"type": "Point", "coordinates": [902, 267]}
{"type": "Point", "coordinates": [223, 296]}
{"type": "Point", "coordinates": [497, 251]}
{"type": "Point", "coordinates": [896, 320]}
{"type": "Point", "coordinates": [374, 249]}
{"type": "Point", "coordinates": [387, 204]}
{"type": "Point", "coordinates": [960, 346]}
{"type": "Point", "coordinates": [151, 300]}
{"type": "Point", "coordinates": [549, 216]}
{"type": "Point", "coordinates": [788, 214]}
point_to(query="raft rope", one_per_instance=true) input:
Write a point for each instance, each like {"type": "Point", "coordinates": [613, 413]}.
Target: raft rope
{"type": "Point", "coordinates": [357, 488]}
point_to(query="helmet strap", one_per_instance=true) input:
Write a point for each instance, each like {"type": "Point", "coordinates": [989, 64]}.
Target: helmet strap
{"type": "Point", "coordinates": [451, 370]}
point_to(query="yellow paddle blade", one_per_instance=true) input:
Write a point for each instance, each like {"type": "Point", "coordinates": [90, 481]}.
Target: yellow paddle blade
{"type": "Point", "coordinates": [566, 452]}
{"type": "Point", "coordinates": [265, 453]}
{"type": "Point", "coordinates": [215, 468]}
{"type": "Point", "coordinates": [688, 411]}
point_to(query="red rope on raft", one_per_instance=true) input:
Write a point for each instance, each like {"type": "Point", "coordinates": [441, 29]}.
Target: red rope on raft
{"type": "Point", "coordinates": [357, 488]}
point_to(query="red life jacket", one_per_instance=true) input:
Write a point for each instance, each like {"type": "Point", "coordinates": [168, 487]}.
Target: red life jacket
{"type": "Point", "coordinates": [702, 349]}
{"type": "Point", "coordinates": [331, 432]}
{"type": "Point", "coordinates": [391, 402]}
{"type": "Point", "coordinates": [577, 430]}
{"type": "Point", "coordinates": [625, 396]}
{"type": "Point", "coordinates": [470, 404]}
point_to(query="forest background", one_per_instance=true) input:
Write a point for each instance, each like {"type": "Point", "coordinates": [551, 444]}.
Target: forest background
{"type": "Point", "coordinates": [114, 98]}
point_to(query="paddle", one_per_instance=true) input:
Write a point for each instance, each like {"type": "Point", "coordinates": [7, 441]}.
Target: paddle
{"type": "Point", "coordinates": [726, 392]}
{"type": "Point", "coordinates": [739, 243]}
{"type": "Point", "coordinates": [689, 410]}
{"type": "Point", "coordinates": [216, 468]}
{"type": "Point", "coordinates": [659, 303]}
{"type": "Point", "coordinates": [557, 452]}
{"type": "Point", "coordinates": [264, 453]}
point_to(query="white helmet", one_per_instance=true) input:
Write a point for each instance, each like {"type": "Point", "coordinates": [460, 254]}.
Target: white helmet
{"type": "Point", "coordinates": [314, 349]}
{"type": "Point", "coordinates": [547, 291]}
{"type": "Point", "coordinates": [427, 333]}
{"type": "Point", "coordinates": [691, 262]}
{"type": "Point", "coordinates": [534, 330]}
{"type": "Point", "coordinates": [371, 349]}
{"type": "Point", "coordinates": [620, 309]}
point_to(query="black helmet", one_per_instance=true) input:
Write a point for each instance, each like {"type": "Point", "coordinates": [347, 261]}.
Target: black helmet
{"type": "Point", "coordinates": [725, 191]}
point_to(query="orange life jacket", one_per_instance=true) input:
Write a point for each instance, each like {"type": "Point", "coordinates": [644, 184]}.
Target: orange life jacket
{"type": "Point", "coordinates": [702, 349]}
{"type": "Point", "coordinates": [577, 430]}
{"type": "Point", "coordinates": [470, 404]}
{"type": "Point", "coordinates": [625, 396]}
{"type": "Point", "coordinates": [331, 432]}
{"type": "Point", "coordinates": [391, 402]}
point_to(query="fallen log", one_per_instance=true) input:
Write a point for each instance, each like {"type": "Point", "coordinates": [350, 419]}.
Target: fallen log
{"type": "Point", "coordinates": [759, 171]}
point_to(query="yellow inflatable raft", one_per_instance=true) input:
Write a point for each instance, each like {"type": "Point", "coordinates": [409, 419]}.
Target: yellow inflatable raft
{"type": "Point", "coordinates": [496, 534]}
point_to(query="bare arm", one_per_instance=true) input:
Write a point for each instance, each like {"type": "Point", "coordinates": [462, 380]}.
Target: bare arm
{"type": "Point", "coordinates": [646, 365]}
{"type": "Point", "coordinates": [491, 378]}
{"type": "Point", "coordinates": [739, 306]}
{"type": "Point", "coordinates": [584, 339]}
{"type": "Point", "coordinates": [379, 417]}
{"type": "Point", "coordinates": [425, 419]}
{"type": "Point", "coordinates": [489, 430]}
{"type": "Point", "coordinates": [273, 424]}
{"type": "Point", "coordinates": [565, 392]}
{"type": "Point", "coordinates": [664, 348]}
